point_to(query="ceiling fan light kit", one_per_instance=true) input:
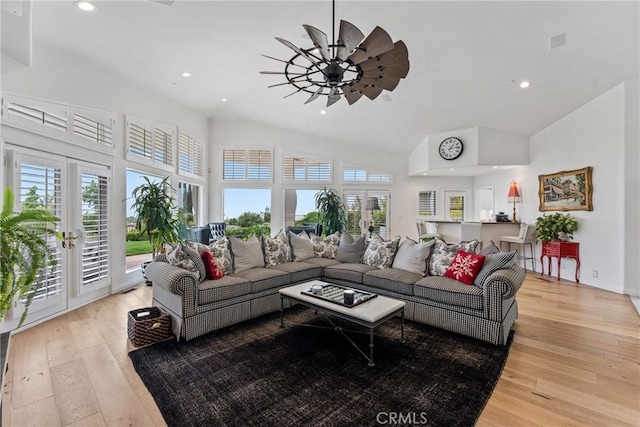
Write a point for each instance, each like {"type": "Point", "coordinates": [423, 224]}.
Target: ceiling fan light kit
{"type": "Point", "coordinates": [351, 67]}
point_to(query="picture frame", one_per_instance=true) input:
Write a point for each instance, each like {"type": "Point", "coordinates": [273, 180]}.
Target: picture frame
{"type": "Point", "coordinates": [566, 190]}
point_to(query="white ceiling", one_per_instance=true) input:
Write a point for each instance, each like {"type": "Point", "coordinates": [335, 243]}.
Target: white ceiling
{"type": "Point", "coordinates": [463, 58]}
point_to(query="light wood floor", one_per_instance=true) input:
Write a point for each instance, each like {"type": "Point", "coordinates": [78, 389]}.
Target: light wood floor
{"type": "Point", "coordinates": [574, 361]}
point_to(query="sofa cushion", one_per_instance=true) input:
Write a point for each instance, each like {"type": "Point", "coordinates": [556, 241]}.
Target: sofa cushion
{"type": "Point", "coordinates": [327, 247]}
{"type": "Point", "coordinates": [379, 252]}
{"type": "Point", "coordinates": [492, 263]}
{"type": "Point", "coordinates": [264, 278]}
{"type": "Point", "coordinates": [489, 248]}
{"type": "Point", "coordinates": [185, 257]}
{"type": "Point", "coordinates": [464, 267]}
{"type": "Point", "coordinates": [222, 254]}
{"type": "Point", "coordinates": [399, 281]}
{"type": "Point", "coordinates": [449, 291]}
{"type": "Point", "coordinates": [350, 251]}
{"type": "Point", "coordinates": [349, 271]}
{"type": "Point", "coordinates": [442, 254]}
{"type": "Point", "coordinates": [246, 254]}
{"type": "Point", "coordinates": [322, 262]}
{"type": "Point", "coordinates": [302, 246]}
{"type": "Point", "coordinates": [218, 290]}
{"type": "Point", "coordinates": [412, 256]}
{"type": "Point", "coordinates": [276, 249]}
{"type": "Point", "coordinates": [214, 271]}
{"type": "Point", "coordinates": [300, 271]}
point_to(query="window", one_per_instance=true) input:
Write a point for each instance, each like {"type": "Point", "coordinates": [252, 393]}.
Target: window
{"type": "Point", "coordinates": [358, 175]}
{"type": "Point", "coordinates": [300, 207]}
{"type": "Point", "coordinates": [427, 203]}
{"type": "Point", "coordinates": [89, 126]}
{"type": "Point", "coordinates": [298, 168]}
{"type": "Point", "coordinates": [359, 215]}
{"type": "Point", "coordinates": [247, 211]}
{"type": "Point", "coordinates": [150, 142]}
{"type": "Point", "coordinates": [95, 220]}
{"type": "Point", "coordinates": [190, 156]}
{"type": "Point", "coordinates": [188, 206]}
{"type": "Point", "coordinates": [455, 205]}
{"type": "Point", "coordinates": [247, 165]}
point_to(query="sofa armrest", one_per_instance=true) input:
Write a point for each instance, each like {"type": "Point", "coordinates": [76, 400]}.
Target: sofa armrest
{"type": "Point", "coordinates": [504, 283]}
{"type": "Point", "coordinates": [174, 279]}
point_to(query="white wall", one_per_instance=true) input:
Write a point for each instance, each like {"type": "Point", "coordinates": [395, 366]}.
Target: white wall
{"type": "Point", "coordinates": [602, 134]}
{"type": "Point", "coordinates": [59, 76]}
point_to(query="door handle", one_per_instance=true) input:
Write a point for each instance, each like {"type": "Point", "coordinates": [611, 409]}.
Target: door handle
{"type": "Point", "coordinates": [70, 238]}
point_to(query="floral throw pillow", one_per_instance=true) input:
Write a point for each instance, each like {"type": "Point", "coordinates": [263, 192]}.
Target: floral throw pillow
{"type": "Point", "coordinates": [464, 267]}
{"type": "Point", "coordinates": [276, 249]}
{"type": "Point", "coordinates": [187, 258]}
{"type": "Point", "coordinates": [327, 247]}
{"type": "Point", "coordinates": [442, 254]}
{"type": "Point", "coordinates": [380, 253]}
{"type": "Point", "coordinates": [222, 254]}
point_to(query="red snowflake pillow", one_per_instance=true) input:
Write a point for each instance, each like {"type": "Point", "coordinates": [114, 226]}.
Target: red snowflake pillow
{"type": "Point", "coordinates": [465, 267]}
{"type": "Point", "coordinates": [214, 272]}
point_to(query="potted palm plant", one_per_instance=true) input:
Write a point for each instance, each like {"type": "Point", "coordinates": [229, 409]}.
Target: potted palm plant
{"type": "Point", "coordinates": [557, 226]}
{"type": "Point", "coordinates": [156, 215]}
{"type": "Point", "coordinates": [332, 210]}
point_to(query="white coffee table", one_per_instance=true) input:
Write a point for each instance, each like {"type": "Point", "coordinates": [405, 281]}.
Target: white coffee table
{"type": "Point", "coordinates": [369, 314]}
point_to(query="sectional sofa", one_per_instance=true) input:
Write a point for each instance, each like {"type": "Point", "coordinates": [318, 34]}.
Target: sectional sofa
{"type": "Point", "coordinates": [410, 271]}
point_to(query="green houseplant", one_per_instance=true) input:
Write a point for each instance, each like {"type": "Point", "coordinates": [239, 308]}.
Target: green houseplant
{"type": "Point", "coordinates": [332, 210]}
{"type": "Point", "coordinates": [157, 215]}
{"type": "Point", "coordinates": [555, 226]}
{"type": "Point", "coordinates": [23, 252]}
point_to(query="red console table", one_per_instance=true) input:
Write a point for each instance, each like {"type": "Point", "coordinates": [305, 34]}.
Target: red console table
{"type": "Point", "coordinates": [560, 249]}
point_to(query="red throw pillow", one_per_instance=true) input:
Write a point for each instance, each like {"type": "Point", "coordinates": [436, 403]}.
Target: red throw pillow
{"type": "Point", "coordinates": [465, 267]}
{"type": "Point", "coordinates": [214, 272]}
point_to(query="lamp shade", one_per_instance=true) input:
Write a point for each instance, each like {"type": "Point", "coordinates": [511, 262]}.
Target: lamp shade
{"type": "Point", "coordinates": [372, 204]}
{"type": "Point", "coordinates": [514, 194]}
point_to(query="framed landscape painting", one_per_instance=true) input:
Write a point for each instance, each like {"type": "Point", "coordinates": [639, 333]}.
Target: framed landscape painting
{"type": "Point", "coordinates": [566, 191]}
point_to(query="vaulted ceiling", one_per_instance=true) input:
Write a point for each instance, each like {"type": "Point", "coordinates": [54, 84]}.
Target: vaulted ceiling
{"type": "Point", "coordinates": [467, 59]}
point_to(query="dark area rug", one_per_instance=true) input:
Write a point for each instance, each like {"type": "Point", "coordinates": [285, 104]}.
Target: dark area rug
{"type": "Point", "coordinates": [256, 374]}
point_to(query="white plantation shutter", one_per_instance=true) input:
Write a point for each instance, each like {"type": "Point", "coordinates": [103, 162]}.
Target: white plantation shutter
{"type": "Point", "coordinates": [190, 155]}
{"type": "Point", "coordinates": [91, 128]}
{"type": "Point", "coordinates": [95, 250]}
{"type": "Point", "coordinates": [247, 165]}
{"type": "Point", "coordinates": [354, 175]}
{"type": "Point", "coordinates": [358, 175]}
{"type": "Point", "coordinates": [298, 168]}
{"type": "Point", "coordinates": [427, 203]}
{"type": "Point", "coordinates": [40, 116]}
{"type": "Point", "coordinates": [355, 203]}
{"type": "Point", "coordinates": [139, 140]}
{"type": "Point", "coordinates": [150, 142]}
{"type": "Point", "coordinates": [379, 177]}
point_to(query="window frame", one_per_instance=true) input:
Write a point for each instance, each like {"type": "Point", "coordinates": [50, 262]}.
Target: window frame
{"type": "Point", "coordinates": [307, 160]}
{"type": "Point", "coordinates": [436, 202]}
{"type": "Point", "coordinates": [246, 179]}
{"type": "Point", "coordinates": [153, 126]}
{"type": "Point", "coordinates": [194, 146]}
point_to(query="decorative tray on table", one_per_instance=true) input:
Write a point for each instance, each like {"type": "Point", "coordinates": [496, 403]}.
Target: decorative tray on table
{"type": "Point", "coordinates": [335, 294]}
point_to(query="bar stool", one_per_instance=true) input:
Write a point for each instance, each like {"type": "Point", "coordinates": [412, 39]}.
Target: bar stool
{"type": "Point", "coordinates": [527, 236]}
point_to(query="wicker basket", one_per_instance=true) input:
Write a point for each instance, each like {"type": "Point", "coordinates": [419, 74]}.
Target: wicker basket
{"type": "Point", "coordinates": [148, 325]}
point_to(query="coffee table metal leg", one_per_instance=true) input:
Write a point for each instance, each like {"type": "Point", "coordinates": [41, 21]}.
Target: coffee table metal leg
{"type": "Point", "coordinates": [371, 347]}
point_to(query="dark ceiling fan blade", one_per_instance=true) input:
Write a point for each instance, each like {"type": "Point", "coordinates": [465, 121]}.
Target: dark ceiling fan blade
{"type": "Point", "coordinates": [293, 93]}
{"type": "Point", "coordinates": [315, 96]}
{"type": "Point", "coordinates": [350, 37]}
{"type": "Point", "coordinates": [296, 49]}
{"type": "Point", "coordinates": [351, 95]}
{"type": "Point", "coordinates": [282, 60]}
{"type": "Point", "coordinates": [385, 83]}
{"type": "Point", "coordinates": [278, 84]}
{"type": "Point", "coordinates": [379, 41]}
{"type": "Point", "coordinates": [394, 63]}
{"type": "Point", "coordinates": [370, 92]}
{"type": "Point", "coordinates": [319, 40]}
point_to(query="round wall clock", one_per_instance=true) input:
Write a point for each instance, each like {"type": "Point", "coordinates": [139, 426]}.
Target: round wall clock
{"type": "Point", "coordinates": [450, 148]}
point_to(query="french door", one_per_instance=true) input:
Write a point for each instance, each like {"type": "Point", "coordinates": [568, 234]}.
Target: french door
{"type": "Point", "coordinates": [78, 194]}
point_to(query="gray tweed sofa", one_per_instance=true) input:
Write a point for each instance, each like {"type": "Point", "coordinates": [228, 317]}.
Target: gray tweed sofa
{"type": "Point", "coordinates": [485, 312]}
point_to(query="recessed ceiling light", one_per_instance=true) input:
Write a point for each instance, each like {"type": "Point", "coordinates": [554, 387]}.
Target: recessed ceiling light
{"type": "Point", "coordinates": [186, 74]}
{"type": "Point", "coordinates": [525, 84]}
{"type": "Point", "coordinates": [323, 112]}
{"type": "Point", "coordinates": [224, 100]}
{"type": "Point", "coordinates": [495, 167]}
{"type": "Point", "coordinates": [86, 6]}
{"type": "Point", "coordinates": [424, 173]}
{"type": "Point", "coordinates": [452, 169]}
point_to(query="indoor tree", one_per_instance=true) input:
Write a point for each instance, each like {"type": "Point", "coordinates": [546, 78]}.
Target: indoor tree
{"type": "Point", "coordinates": [332, 210]}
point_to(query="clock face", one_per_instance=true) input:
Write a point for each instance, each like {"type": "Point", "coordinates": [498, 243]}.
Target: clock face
{"type": "Point", "coordinates": [450, 148]}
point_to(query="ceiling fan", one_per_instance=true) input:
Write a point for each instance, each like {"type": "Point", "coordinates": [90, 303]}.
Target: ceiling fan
{"type": "Point", "coordinates": [164, 2]}
{"type": "Point", "coordinates": [353, 66]}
